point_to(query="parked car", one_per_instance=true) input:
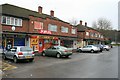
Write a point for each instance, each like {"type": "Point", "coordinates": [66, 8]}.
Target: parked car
{"type": "Point", "coordinates": [18, 53]}
{"type": "Point", "coordinates": [106, 47]}
{"type": "Point", "coordinates": [100, 46]}
{"type": "Point", "coordinates": [57, 51]}
{"type": "Point", "coordinates": [89, 48]}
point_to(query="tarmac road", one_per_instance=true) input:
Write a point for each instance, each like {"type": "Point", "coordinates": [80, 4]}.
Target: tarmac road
{"type": "Point", "coordinates": [79, 65]}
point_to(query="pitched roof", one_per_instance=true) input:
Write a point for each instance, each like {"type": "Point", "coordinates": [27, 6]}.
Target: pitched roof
{"type": "Point", "coordinates": [83, 28]}
{"type": "Point", "coordinates": [8, 9]}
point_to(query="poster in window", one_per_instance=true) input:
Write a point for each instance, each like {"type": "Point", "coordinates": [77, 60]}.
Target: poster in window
{"type": "Point", "coordinates": [38, 25]}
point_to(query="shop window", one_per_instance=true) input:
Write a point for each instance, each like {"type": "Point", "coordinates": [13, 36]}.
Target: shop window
{"type": "Point", "coordinates": [46, 41]}
{"type": "Point", "coordinates": [54, 42]}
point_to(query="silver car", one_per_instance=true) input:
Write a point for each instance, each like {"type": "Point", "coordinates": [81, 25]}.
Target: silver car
{"type": "Point", "coordinates": [89, 48]}
{"type": "Point", "coordinates": [106, 47]}
{"type": "Point", "coordinates": [57, 51]}
{"type": "Point", "coordinates": [19, 53]}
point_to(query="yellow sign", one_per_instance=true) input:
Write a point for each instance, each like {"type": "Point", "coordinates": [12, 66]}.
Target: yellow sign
{"type": "Point", "coordinates": [34, 43]}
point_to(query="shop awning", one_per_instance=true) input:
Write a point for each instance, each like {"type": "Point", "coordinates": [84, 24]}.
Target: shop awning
{"type": "Point", "coordinates": [68, 38]}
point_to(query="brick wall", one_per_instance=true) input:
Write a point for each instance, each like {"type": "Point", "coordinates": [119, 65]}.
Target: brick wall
{"type": "Point", "coordinates": [23, 28]}
{"type": "Point", "coordinates": [48, 21]}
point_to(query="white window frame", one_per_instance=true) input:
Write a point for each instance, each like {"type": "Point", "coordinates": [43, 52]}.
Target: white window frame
{"type": "Point", "coordinates": [2, 20]}
{"type": "Point", "coordinates": [73, 31]}
{"type": "Point", "coordinates": [8, 20]}
{"type": "Point", "coordinates": [52, 27]}
{"type": "Point", "coordinates": [12, 23]}
{"type": "Point", "coordinates": [19, 21]}
{"type": "Point", "coordinates": [87, 33]}
{"type": "Point", "coordinates": [64, 29]}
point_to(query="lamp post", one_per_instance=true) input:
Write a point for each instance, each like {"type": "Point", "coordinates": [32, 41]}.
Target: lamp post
{"type": "Point", "coordinates": [116, 37]}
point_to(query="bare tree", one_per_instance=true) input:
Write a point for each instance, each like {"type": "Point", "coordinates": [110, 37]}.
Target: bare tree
{"type": "Point", "coordinates": [73, 21]}
{"type": "Point", "coordinates": [94, 25]}
{"type": "Point", "coordinates": [103, 24]}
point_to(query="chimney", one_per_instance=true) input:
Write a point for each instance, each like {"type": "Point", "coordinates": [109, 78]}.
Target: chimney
{"type": "Point", "coordinates": [80, 22]}
{"type": "Point", "coordinates": [40, 10]}
{"type": "Point", "coordinates": [85, 23]}
{"type": "Point", "coordinates": [52, 13]}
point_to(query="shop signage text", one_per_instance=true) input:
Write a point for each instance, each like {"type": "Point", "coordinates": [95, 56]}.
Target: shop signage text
{"type": "Point", "coordinates": [45, 32]}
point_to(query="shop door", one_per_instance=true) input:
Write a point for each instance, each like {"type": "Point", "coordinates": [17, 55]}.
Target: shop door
{"type": "Point", "coordinates": [9, 43]}
{"type": "Point", "coordinates": [41, 45]}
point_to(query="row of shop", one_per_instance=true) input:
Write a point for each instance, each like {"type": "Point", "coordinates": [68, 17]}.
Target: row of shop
{"type": "Point", "coordinates": [37, 42]}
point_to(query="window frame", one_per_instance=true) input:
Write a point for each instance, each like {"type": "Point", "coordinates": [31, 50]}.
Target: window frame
{"type": "Point", "coordinates": [73, 31]}
{"type": "Point", "coordinates": [52, 27]}
{"type": "Point", "coordinates": [11, 21]}
{"type": "Point", "coordinates": [64, 29]}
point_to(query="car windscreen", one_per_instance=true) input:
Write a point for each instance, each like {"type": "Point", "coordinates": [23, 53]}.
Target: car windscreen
{"type": "Point", "coordinates": [26, 49]}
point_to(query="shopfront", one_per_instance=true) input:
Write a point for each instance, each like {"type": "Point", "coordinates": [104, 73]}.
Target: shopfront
{"type": "Point", "coordinates": [68, 42]}
{"type": "Point", "coordinates": [10, 40]}
{"type": "Point", "coordinates": [39, 43]}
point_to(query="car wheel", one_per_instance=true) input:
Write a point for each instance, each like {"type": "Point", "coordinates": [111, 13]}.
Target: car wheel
{"type": "Point", "coordinates": [80, 50]}
{"type": "Point", "coordinates": [31, 60]}
{"type": "Point", "coordinates": [68, 56]}
{"type": "Point", "coordinates": [4, 57]}
{"type": "Point", "coordinates": [15, 59]}
{"type": "Point", "coordinates": [92, 51]}
{"type": "Point", "coordinates": [43, 54]}
{"type": "Point", "coordinates": [107, 49]}
{"type": "Point", "coordinates": [58, 55]}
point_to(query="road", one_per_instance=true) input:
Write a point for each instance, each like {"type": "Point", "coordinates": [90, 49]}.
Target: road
{"type": "Point", "coordinates": [79, 65]}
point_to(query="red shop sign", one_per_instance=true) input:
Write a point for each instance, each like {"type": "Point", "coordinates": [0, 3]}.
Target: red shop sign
{"type": "Point", "coordinates": [45, 32]}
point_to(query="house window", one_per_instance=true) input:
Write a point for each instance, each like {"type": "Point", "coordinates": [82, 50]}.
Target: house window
{"type": "Point", "coordinates": [11, 21]}
{"type": "Point", "coordinates": [16, 21]}
{"type": "Point", "coordinates": [20, 22]}
{"type": "Point", "coordinates": [38, 25]}
{"type": "Point", "coordinates": [91, 34]}
{"type": "Point", "coordinates": [3, 21]}
{"type": "Point", "coordinates": [64, 29]}
{"type": "Point", "coordinates": [73, 31]}
{"type": "Point", "coordinates": [87, 33]}
{"type": "Point", "coordinates": [52, 27]}
{"type": "Point", "coordinates": [101, 36]}
{"type": "Point", "coordinates": [8, 20]}
{"type": "Point", "coordinates": [96, 34]}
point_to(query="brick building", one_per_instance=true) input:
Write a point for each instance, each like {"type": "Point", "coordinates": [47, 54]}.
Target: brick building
{"type": "Point", "coordinates": [23, 27]}
{"type": "Point", "coordinates": [87, 35]}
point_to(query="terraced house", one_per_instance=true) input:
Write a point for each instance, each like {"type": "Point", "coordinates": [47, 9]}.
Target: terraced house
{"type": "Point", "coordinates": [23, 27]}
{"type": "Point", "coordinates": [88, 35]}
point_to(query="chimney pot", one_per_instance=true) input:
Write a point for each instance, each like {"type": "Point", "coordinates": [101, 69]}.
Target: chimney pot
{"type": "Point", "coordinates": [85, 23]}
{"type": "Point", "coordinates": [81, 22]}
{"type": "Point", "coordinates": [52, 13]}
{"type": "Point", "coordinates": [40, 10]}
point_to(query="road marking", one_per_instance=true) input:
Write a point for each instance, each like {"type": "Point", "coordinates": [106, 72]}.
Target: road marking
{"type": "Point", "coordinates": [6, 66]}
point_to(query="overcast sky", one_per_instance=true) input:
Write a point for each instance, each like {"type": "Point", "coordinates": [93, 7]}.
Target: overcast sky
{"type": "Point", "coordinates": [85, 10]}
